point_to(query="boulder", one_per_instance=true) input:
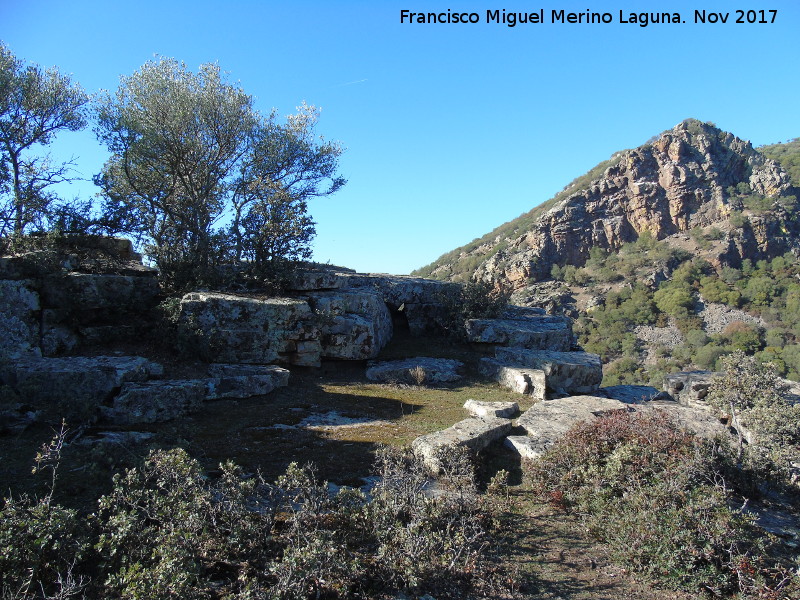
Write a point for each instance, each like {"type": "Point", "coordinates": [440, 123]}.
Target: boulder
{"type": "Point", "coordinates": [19, 319]}
{"type": "Point", "coordinates": [565, 372]}
{"type": "Point", "coordinates": [523, 328]}
{"type": "Point", "coordinates": [354, 324]}
{"type": "Point", "coordinates": [504, 410]}
{"type": "Point", "coordinates": [530, 382]}
{"type": "Point", "coordinates": [689, 387]}
{"type": "Point", "coordinates": [75, 387]}
{"type": "Point", "coordinates": [239, 329]}
{"type": "Point", "coordinates": [429, 370]}
{"type": "Point", "coordinates": [155, 401]}
{"type": "Point", "coordinates": [474, 433]}
{"type": "Point", "coordinates": [244, 381]}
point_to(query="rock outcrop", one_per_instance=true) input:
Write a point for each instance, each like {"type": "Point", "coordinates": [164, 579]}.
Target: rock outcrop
{"type": "Point", "coordinates": [676, 182]}
{"type": "Point", "coordinates": [54, 302]}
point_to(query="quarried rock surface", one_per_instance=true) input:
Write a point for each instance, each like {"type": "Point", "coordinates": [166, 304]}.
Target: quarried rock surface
{"type": "Point", "coordinates": [523, 328]}
{"type": "Point", "coordinates": [634, 394]}
{"type": "Point", "coordinates": [154, 401]}
{"type": "Point", "coordinates": [530, 382]}
{"type": "Point", "coordinates": [238, 329]}
{"type": "Point", "coordinates": [19, 324]}
{"type": "Point", "coordinates": [244, 381]}
{"type": "Point", "coordinates": [409, 370]}
{"type": "Point", "coordinates": [78, 292]}
{"type": "Point", "coordinates": [565, 372]}
{"type": "Point", "coordinates": [474, 433]}
{"type": "Point", "coordinates": [354, 324]}
{"type": "Point", "coordinates": [546, 422]}
{"type": "Point", "coordinates": [76, 386]}
{"type": "Point", "coordinates": [504, 410]}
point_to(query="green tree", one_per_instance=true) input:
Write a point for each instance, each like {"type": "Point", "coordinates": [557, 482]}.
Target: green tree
{"type": "Point", "coordinates": [754, 396]}
{"type": "Point", "coordinates": [35, 105]}
{"type": "Point", "coordinates": [285, 167]}
{"type": "Point", "coordinates": [189, 149]}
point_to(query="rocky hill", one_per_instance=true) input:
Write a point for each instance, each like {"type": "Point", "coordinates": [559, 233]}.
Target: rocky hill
{"type": "Point", "coordinates": [689, 177]}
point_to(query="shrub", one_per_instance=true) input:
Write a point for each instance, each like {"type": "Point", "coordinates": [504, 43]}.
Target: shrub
{"type": "Point", "coordinates": [616, 469]}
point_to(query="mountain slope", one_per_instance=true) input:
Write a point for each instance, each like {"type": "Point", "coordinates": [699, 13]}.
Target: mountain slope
{"type": "Point", "coordinates": [692, 176]}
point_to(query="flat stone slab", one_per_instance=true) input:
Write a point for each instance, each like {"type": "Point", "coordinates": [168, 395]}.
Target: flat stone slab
{"type": "Point", "coordinates": [523, 328]}
{"type": "Point", "coordinates": [75, 381]}
{"type": "Point", "coordinates": [530, 382]}
{"type": "Point", "coordinates": [526, 446]}
{"type": "Point", "coordinates": [433, 370]}
{"type": "Point", "coordinates": [504, 410]}
{"type": "Point", "coordinates": [634, 394]}
{"type": "Point", "coordinates": [156, 401]}
{"type": "Point", "coordinates": [565, 372]}
{"type": "Point", "coordinates": [547, 421]}
{"type": "Point", "coordinates": [475, 433]}
{"type": "Point", "coordinates": [244, 381]}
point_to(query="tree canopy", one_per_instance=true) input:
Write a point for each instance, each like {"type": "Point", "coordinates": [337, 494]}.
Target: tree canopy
{"type": "Point", "coordinates": [203, 177]}
{"type": "Point", "coordinates": [35, 105]}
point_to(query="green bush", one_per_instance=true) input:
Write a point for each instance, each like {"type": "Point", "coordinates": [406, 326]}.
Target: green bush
{"type": "Point", "coordinates": [654, 495]}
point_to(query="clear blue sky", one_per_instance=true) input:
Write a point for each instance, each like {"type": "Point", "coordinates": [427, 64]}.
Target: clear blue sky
{"type": "Point", "coordinates": [450, 129]}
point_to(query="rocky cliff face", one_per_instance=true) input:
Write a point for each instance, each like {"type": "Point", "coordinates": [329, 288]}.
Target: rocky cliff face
{"type": "Point", "coordinates": [677, 182]}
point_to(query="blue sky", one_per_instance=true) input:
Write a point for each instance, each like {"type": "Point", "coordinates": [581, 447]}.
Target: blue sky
{"type": "Point", "coordinates": [450, 129]}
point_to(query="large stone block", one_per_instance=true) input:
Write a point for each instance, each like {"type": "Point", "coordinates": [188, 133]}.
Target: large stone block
{"type": "Point", "coordinates": [689, 387]}
{"type": "Point", "coordinates": [244, 381]}
{"type": "Point", "coordinates": [79, 292]}
{"type": "Point", "coordinates": [565, 372]}
{"type": "Point", "coordinates": [474, 433]}
{"type": "Point", "coordinates": [238, 329]}
{"type": "Point", "coordinates": [19, 319]}
{"type": "Point", "coordinates": [354, 324]}
{"type": "Point", "coordinates": [546, 422]}
{"type": "Point", "coordinates": [156, 401]}
{"type": "Point", "coordinates": [531, 382]}
{"type": "Point", "coordinates": [75, 387]}
{"type": "Point", "coordinates": [524, 330]}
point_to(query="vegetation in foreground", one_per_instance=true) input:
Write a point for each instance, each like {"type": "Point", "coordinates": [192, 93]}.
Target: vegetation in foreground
{"type": "Point", "coordinates": [669, 508]}
{"type": "Point", "coordinates": [167, 531]}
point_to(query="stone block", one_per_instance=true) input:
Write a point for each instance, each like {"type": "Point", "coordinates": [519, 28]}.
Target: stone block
{"type": "Point", "coordinates": [530, 382]}
{"type": "Point", "coordinates": [565, 372]}
{"type": "Point", "coordinates": [504, 410]}
{"type": "Point", "coordinates": [19, 319]}
{"type": "Point", "coordinates": [474, 433]}
{"type": "Point", "coordinates": [240, 329]}
{"type": "Point", "coordinates": [244, 381]}
{"type": "Point", "coordinates": [524, 330]}
{"type": "Point", "coordinates": [156, 401]}
{"type": "Point", "coordinates": [354, 324]}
